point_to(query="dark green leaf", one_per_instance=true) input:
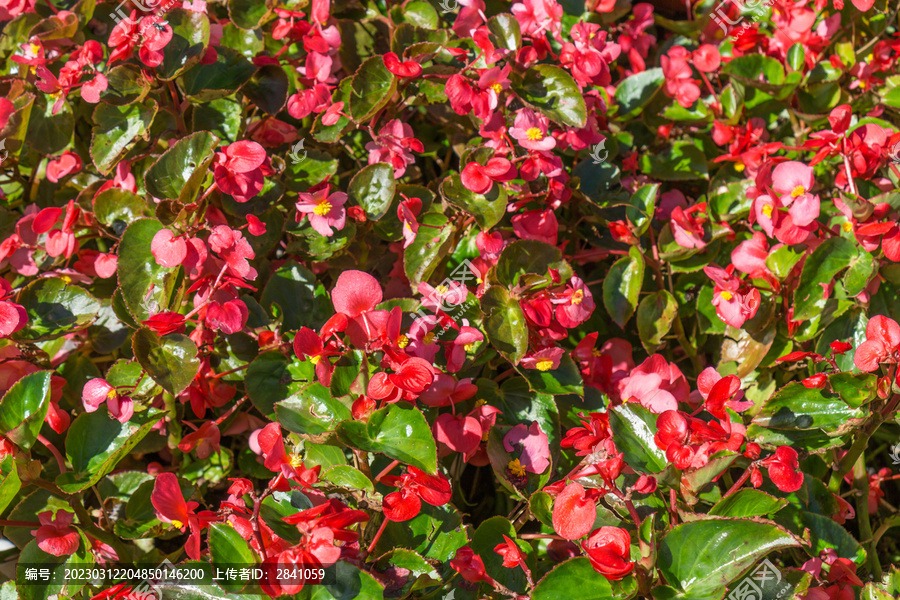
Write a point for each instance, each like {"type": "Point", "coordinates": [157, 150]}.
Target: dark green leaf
{"type": "Point", "coordinates": [576, 579]}
{"type": "Point", "coordinates": [371, 88]}
{"type": "Point", "coordinates": [302, 300]}
{"type": "Point", "coordinates": [655, 315]}
{"type": "Point", "coordinates": [55, 307]}
{"type": "Point", "coordinates": [488, 209]}
{"type": "Point", "coordinates": [748, 503]}
{"type": "Point", "coordinates": [312, 411]}
{"type": "Point", "coordinates": [219, 79]}
{"type": "Point", "coordinates": [180, 171]}
{"type": "Point", "coordinates": [504, 323]}
{"type": "Point", "coordinates": [432, 243]}
{"type": "Point", "coordinates": [530, 257]}
{"type": "Point", "coordinates": [373, 189]}
{"type": "Point", "coordinates": [797, 407]}
{"type": "Point", "coordinates": [551, 91]}
{"type": "Point", "coordinates": [24, 407]}
{"type": "Point", "coordinates": [117, 129]}
{"type": "Point", "coordinates": [400, 433]}
{"type": "Point", "coordinates": [171, 360]}
{"type": "Point", "coordinates": [828, 259]}
{"type": "Point", "coordinates": [190, 37]}
{"type": "Point", "coordinates": [634, 427]}
{"type": "Point", "coordinates": [622, 286]}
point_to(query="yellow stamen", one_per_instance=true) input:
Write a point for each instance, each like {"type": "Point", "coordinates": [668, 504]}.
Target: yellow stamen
{"type": "Point", "coordinates": [798, 191]}
{"type": "Point", "coordinates": [323, 208]}
{"type": "Point", "coordinates": [545, 364]}
{"type": "Point", "coordinates": [111, 394]}
{"type": "Point", "coordinates": [577, 297]}
{"type": "Point", "coordinates": [534, 134]}
{"type": "Point", "coordinates": [726, 295]}
{"type": "Point", "coordinates": [847, 226]}
{"type": "Point", "coordinates": [429, 337]}
{"type": "Point", "coordinates": [739, 167]}
{"type": "Point", "coordinates": [296, 461]}
{"type": "Point", "coordinates": [485, 435]}
{"type": "Point", "coordinates": [497, 88]}
{"type": "Point", "coordinates": [515, 467]}
{"type": "Point", "coordinates": [469, 347]}
{"type": "Point", "coordinates": [315, 359]}
{"type": "Point", "coordinates": [767, 210]}
{"type": "Point", "coordinates": [178, 524]}
{"type": "Point", "coordinates": [480, 402]}
{"type": "Point", "coordinates": [596, 352]}
{"type": "Point", "coordinates": [403, 341]}
{"type": "Point", "coordinates": [35, 49]}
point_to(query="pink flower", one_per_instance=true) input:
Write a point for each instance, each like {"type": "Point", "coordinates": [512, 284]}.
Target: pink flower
{"type": "Point", "coordinates": [446, 390]}
{"type": "Point", "coordinates": [687, 228]}
{"type": "Point", "coordinates": [98, 391]}
{"type": "Point", "coordinates": [456, 354]}
{"type": "Point", "coordinates": [575, 305]}
{"type": "Point", "coordinates": [656, 384]}
{"type": "Point", "coordinates": [67, 164]}
{"type": "Point", "coordinates": [480, 179]}
{"type": "Point", "coordinates": [882, 344]}
{"type": "Point", "coordinates": [168, 250]}
{"type": "Point", "coordinates": [205, 441]}
{"type": "Point", "coordinates": [750, 256]}
{"type": "Point", "coordinates": [575, 510]}
{"type": "Point", "coordinates": [537, 224]}
{"type": "Point", "coordinates": [394, 145]}
{"type": "Point", "coordinates": [677, 72]}
{"type": "Point", "coordinates": [537, 17]}
{"type": "Point", "coordinates": [238, 170]}
{"type": "Point", "coordinates": [784, 469]}
{"type": "Point", "coordinates": [793, 180]}
{"type": "Point", "coordinates": [55, 536]}
{"type": "Point", "coordinates": [355, 296]}
{"type": "Point", "coordinates": [323, 210]}
{"type": "Point", "coordinates": [460, 433]}
{"type": "Point", "coordinates": [733, 306]}
{"type": "Point", "coordinates": [530, 130]}
{"type": "Point", "coordinates": [546, 359]}
{"type": "Point", "coordinates": [533, 442]}
{"type": "Point", "coordinates": [231, 247]}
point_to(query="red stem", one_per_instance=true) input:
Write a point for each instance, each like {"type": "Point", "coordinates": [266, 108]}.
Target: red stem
{"type": "Point", "coordinates": [59, 458]}
{"type": "Point", "coordinates": [377, 536]}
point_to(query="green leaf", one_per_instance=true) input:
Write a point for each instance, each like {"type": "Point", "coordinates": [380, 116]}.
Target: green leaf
{"type": "Point", "coordinates": [748, 503]}
{"type": "Point", "coordinates": [117, 208]}
{"type": "Point", "coordinates": [824, 533]}
{"type": "Point", "coordinates": [373, 189]}
{"type": "Point", "coordinates": [228, 549]}
{"type": "Point", "coordinates": [55, 308]}
{"type": "Point", "coordinates": [10, 483]}
{"type": "Point", "coordinates": [862, 269]}
{"type": "Point", "coordinates": [827, 260]}
{"type": "Point", "coordinates": [302, 300]}
{"type": "Point", "coordinates": [797, 407]}
{"type": "Point", "coordinates": [350, 583]}
{"type": "Point", "coordinates": [782, 261]}
{"type": "Point", "coordinates": [622, 286]}
{"type": "Point", "coordinates": [180, 171]}
{"type": "Point", "coordinates": [552, 92]}
{"type": "Point", "coordinates": [436, 532]}
{"type": "Point", "coordinates": [488, 209]}
{"type": "Point", "coordinates": [248, 14]}
{"type": "Point", "coordinates": [701, 557]}
{"type": "Point", "coordinates": [219, 79]}
{"type": "Point", "coordinates": [145, 284]}
{"type": "Point", "coordinates": [332, 133]}
{"type": "Point", "coordinates": [190, 37]}
{"type": "Point", "coordinates": [49, 133]}
{"type": "Point", "coordinates": [504, 323]}
{"type": "Point", "coordinates": [171, 360]}
{"type": "Point", "coordinates": [565, 379]}
{"type": "Point", "coordinates": [312, 170]}
{"type": "Point", "coordinates": [655, 315]}
{"type": "Point", "coordinates": [432, 244]}
{"type": "Point", "coordinates": [273, 377]}
{"type": "Point", "coordinates": [371, 88]}
{"type": "Point", "coordinates": [488, 535]}
{"type": "Point", "coordinates": [634, 427]}
{"type": "Point", "coordinates": [268, 89]}
{"type": "Point", "coordinates": [855, 390]}
{"type": "Point", "coordinates": [311, 411]}
{"type": "Point", "coordinates": [400, 433]}
{"type": "Point", "coordinates": [125, 85]}
{"type": "Point", "coordinates": [755, 70]}
{"type": "Point", "coordinates": [530, 257]}
{"type": "Point", "coordinates": [679, 162]}
{"type": "Point", "coordinates": [642, 206]}
{"type": "Point", "coordinates": [346, 476]}
{"type": "Point", "coordinates": [117, 129]}
{"type": "Point", "coordinates": [95, 443]}
{"type": "Point", "coordinates": [505, 31]}
{"type": "Point", "coordinates": [24, 407]}
{"type": "Point", "coordinates": [576, 579]}
{"type": "Point", "coordinates": [635, 91]}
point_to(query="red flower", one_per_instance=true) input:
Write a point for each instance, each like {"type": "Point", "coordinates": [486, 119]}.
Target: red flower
{"type": "Point", "coordinates": [512, 554]}
{"type": "Point", "coordinates": [238, 170]}
{"type": "Point", "coordinates": [575, 511]}
{"type": "Point", "coordinates": [171, 507]}
{"type": "Point", "coordinates": [882, 344]}
{"type": "Point", "coordinates": [409, 69]}
{"type": "Point", "coordinates": [205, 440]}
{"type": "Point", "coordinates": [460, 433]}
{"type": "Point", "coordinates": [55, 536]}
{"type": "Point", "coordinates": [415, 486]}
{"type": "Point", "coordinates": [784, 469]}
{"type": "Point", "coordinates": [608, 548]}
{"type": "Point", "coordinates": [469, 565]}
{"type": "Point", "coordinates": [355, 296]}
{"type": "Point", "coordinates": [234, 249]}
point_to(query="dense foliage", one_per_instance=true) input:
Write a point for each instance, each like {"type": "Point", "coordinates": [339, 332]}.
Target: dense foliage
{"type": "Point", "coordinates": [481, 300]}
